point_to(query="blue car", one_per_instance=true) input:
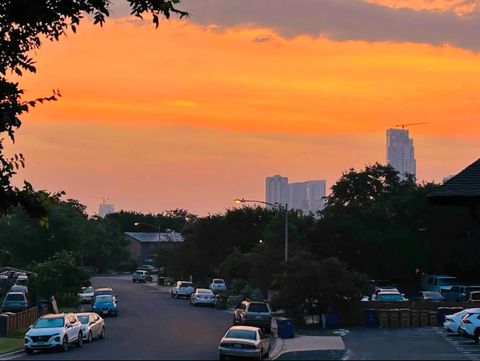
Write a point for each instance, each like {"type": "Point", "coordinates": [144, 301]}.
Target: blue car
{"type": "Point", "coordinates": [15, 302]}
{"type": "Point", "coordinates": [105, 305]}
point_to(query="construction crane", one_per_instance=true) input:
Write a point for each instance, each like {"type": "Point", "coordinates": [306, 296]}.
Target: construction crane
{"type": "Point", "coordinates": [403, 126]}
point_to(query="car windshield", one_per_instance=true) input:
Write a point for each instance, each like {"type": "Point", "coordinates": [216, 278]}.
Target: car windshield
{"type": "Point", "coordinates": [139, 273]}
{"type": "Point", "coordinates": [243, 334]}
{"type": "Point", "coordinates": [88, 290]}
{"type": "Point", "coordinates": [433, 295]}
{"type": "Point", "coordinates": [15, 297]}
{"type": "Point", "coordinates": [446, 281]}
{"type": "Point", "coordinates": [50, 322]}
{"type": "Point", "coordinates": [103, 299]}
{"type": "Point", "coordinates": [83, 319]}
{"type": "Point", "coordinates": [219, 281]}
{"type": "Point", "coordinates": [103, 292]}
{"type": "Point", "coordinates": [18, 288]}
{"type": "Point", "coordinates": [258, 307]}
{"type": "Point", "coordinates": [185, 284]}
{"type": "Point", "coordinates": [389, 297]}
{"type": "Point", "coordinates": [202, 291]}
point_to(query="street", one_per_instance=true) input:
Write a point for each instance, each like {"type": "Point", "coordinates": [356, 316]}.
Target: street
{"type": "Point", "coordinates": [150, 325]}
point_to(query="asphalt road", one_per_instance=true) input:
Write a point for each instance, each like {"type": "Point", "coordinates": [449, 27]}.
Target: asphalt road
{"type": "Point", "coordinates": [150, 325]}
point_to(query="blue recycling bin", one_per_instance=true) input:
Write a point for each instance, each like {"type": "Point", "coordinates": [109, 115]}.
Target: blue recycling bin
{"type": "Point", "coordinates": [331, 320]}
{"type": "Point", "coordinates": [285, 328]}
{"type": "Point", "coordinates": [371, 318]}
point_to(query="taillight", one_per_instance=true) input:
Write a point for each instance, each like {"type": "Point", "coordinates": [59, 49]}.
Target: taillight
{"type": "Point", "coordinates": [466, 320]}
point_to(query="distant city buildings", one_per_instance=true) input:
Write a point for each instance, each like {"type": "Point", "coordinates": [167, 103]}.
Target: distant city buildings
{"type": "Point", "coordinates": [305, 196]}
{"type": "Point", "coordinates": [105, 209]}
{"type": "Point", "coordinates": [400, 152]}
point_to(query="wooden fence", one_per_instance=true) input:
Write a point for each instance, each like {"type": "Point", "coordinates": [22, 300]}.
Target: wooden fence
{"type": "Point", "coordinates": [12, 322]}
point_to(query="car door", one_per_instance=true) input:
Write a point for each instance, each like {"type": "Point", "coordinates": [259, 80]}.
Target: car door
{"type": "Point", "coordinates": [72, 331]}
{"type": "Point", "coordinates": [94, 320]}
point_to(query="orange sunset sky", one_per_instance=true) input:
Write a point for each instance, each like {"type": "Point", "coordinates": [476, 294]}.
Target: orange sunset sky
{"type": "Point", "coordinates": [199, 111]}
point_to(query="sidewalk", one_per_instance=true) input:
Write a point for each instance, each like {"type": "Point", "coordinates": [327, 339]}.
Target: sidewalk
{"type": "Point", "coordinates": [308, 348]}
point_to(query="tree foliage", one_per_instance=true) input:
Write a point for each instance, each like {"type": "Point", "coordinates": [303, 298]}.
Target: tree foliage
{"type": "Point", "coordinates": [24, 24]}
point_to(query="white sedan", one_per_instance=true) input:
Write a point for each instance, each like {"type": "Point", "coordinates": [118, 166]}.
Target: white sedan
{"type": "Point", "coordinates": [244, 341]}
{"type": "Point", "coordinates": [86, 295]}
{"type": "Point", "coordinates": [218, 285]}
{"type": "Point", "coordinates": [93, 326]}
{"type": "Point", "coordinates": [452, 322]}
{"type": "Point", "coordinates": [202, 296]}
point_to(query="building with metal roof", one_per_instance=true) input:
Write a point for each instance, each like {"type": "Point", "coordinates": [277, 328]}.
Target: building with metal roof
{"type": "Point", "coordinates": [142, 244]}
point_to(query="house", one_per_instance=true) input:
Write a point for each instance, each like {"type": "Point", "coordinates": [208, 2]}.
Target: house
{"type": "Point", "coordinates": [141, 244]}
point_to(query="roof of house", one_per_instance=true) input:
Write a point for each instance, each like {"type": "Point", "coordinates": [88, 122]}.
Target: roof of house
{"type": "Point", "coordinates": [149, 237]}
{"type": "Point", "coordinates": [462, 189]}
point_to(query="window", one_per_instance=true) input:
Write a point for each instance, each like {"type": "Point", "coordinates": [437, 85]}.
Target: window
{"type": "Point", "coordinates": [258, 308]}
{"type": "Point", "coordinates": [242, 334]}
{"type": "Point", "coordinates": [84, 320]}
{"type": "Point", "coordinates": [15, 297]}
{"type": "Point", "coordinates": [50, 322]}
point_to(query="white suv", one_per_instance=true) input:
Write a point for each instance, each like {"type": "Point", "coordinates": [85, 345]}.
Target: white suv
{"type": "Point", "coordinates": [470, 324]}
{"type": "Point", "coordinates": [218, 285]}
{"type": "Point", "coordinates": [182, 289]}
{"type": "Point", "coordinates": [54, 331]}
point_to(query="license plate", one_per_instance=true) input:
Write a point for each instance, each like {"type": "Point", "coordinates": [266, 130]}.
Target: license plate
{"type": "Point", "coordinates": [104, 312]}
{"type": "Point", "coordinates": [258, 317]}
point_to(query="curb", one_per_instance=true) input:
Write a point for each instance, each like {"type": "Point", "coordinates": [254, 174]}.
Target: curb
{"type": "Point", "coordinates": [6, 356]}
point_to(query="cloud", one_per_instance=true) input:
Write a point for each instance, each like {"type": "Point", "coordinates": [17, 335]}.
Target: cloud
{"type": "Point", "coordinates": [341, 19]}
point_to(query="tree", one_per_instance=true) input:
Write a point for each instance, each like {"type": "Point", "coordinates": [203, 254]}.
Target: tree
{"type": "Point", "coordinates": [23, 26]}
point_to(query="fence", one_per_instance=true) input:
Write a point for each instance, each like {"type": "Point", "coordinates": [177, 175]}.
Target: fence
{"type": "Point", "coordinates": [12, 322]}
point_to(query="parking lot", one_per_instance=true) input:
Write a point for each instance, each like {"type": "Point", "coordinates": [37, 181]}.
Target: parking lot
{"type": "Point", "coordinates": [429, 343]}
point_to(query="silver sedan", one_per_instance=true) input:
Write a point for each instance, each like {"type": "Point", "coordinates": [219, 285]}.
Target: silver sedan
{"type": "Point", "coordinates": [93, 326]}
{"type": "Point", "coordinates": [244, 341]}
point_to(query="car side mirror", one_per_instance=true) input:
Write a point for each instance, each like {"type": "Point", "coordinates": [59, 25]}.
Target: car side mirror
{"type": "Point", "coordinates": [30, 327]}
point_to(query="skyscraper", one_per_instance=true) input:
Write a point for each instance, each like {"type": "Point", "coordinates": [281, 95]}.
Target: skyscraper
{"type": "Point", "coordinates": [305, 196]}
{"type": "Point", "coordinates": [400, 152]}
{"type": "Point", "coordinates": [277, 189]}
{"type": "Point", "coordinates": [105, 209]}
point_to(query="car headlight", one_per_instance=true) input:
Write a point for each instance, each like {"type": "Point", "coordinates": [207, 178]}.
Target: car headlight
{"type": "Point", "coordinates": [26, 340]}
{"type": "Point", "coordinates": [57, 339]}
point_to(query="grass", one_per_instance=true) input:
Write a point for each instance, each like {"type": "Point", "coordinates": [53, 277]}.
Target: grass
{"type": "Point", "coordinates": [13, 342]}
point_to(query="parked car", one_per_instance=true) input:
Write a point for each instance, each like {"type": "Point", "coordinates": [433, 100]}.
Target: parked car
{"type": "Point", "coordinates": [244, 341]}
{"type": "Point", "coordinates": [470, 324]}
{"type": "Point", "coordinates": [459, 293]}
{"type": "Point", "coordinates": [150, 269]}
{"type": "Point", "coordinates": [437, 283]}
{"type": "Point", "coordinates": [430, 296]}
{"type": "Point", "coordinates": [202, 296]}
{"type": "Point", "coordinates": [376, 284]}
{"type": "Point", "coordinates": [182, 289]}
{"type": "Point", "coordinates": [380, 290]}
{"type": "Point", "coordinates": [22, 280]}
{"type": "Point", "coordinates": [218, 285]}
{"type": "Point", "coordinates": [54, 331]}
{"type": "Point", "coordinates": [389, 296]}
{"type": "Point", "coordinates": [474, 297]}
{"type": "Point", "coordinates": [19, 288]}
{"type": "Point", "coordinates": [105, 305]}
{"type": "Point", "coordinates": [105, 291]}
{"type": "Point", "coordinates": [141, 276]}
{"type": "Point", "coordinates": [452, 322]}
{"type": "Point", "coordinates": [93, 325]}
{"type": "Point", "coordinates": [15, 302]}
{"type": "Point", "coordinates": [86, 295]}
{"type": "Point", "coordinates": [253, 313]}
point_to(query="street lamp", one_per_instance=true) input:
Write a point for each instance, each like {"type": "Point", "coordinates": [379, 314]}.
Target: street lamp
{"type": "Point", "coordinates": [278, 206]}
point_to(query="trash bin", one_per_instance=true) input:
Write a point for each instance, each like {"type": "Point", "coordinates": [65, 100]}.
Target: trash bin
{"type": "Point", "coordinates": [285, 328]}
{"type": "Point", "coordinates": [383, 318]}
{"type": "Point", "coordinates": [415, 318]}
{"type": "Point", "coordinates": [433, 318]}
{"type": "Point", "coordinates": [331, 320]}
{"type": "Point", "coordinates": [424, 318]}
{"type": "Point", "coordinates": [441, 313]}
{"type": "Point", "coordinates": [394, 318]}
{"type": "Point", "coordinates": [221, 302]}
{"type": "Point", "coordinates": [371, 318]}
{"type": "Point", "coordinates": [405, 315]}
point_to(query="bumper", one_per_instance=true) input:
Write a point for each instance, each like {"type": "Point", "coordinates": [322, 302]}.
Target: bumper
{"type": "Point", "coordinates": [104, 313]}
{"type": "Point", "coordinates": [204, 302]}
{"type": "Point", "coordinates": [138, 279]}
{"type": "Point", "coordinates": [43, 345]}
{"type": "Point", "coordinates": [231, 352]}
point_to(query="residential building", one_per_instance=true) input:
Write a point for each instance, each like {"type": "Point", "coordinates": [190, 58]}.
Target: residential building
{"type": "Point", "coordinates": [277, 189]}
{"type": "Point", "coordinates": [400, 152]}
{"type": "Point", "coordinates": [141, 244]}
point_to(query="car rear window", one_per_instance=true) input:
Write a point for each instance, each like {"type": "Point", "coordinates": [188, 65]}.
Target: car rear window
{"type": "Point", "coordinates": [185, 284]}
{"type": "Point", "coordinates": [243, 334]}
{"type": "Point", "coordinates": [14, 297]}
{"type": "Point", "coordinates": [219, 281]}
{"type": "Point", "coordinates": [258, 307]}
{"type": "Point", "coordinates": [389, 297]}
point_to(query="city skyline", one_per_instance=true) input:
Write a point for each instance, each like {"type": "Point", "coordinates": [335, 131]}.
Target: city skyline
{"type": "Point", "coordinates": [239, 95]}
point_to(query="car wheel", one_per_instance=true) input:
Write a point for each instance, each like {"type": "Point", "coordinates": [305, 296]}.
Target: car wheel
{"type": "Point", "coordinates": [80, 339]}
{"type": "Point", "coordinates": [476, 336]}
{"type": "Point", "coordinates": [28, 350]}
{"type": "Point", "coordinates": [65, 344]}
{"type": "Point", "coordinates": [102, 334]}
{"type": "Point", "coordinates": [90, 337]}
